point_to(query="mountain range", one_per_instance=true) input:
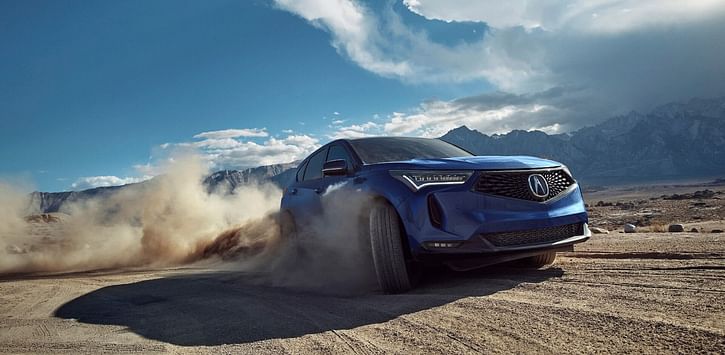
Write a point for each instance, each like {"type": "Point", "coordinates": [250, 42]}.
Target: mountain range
{"type": "Point", "coordinates": [673, 141]}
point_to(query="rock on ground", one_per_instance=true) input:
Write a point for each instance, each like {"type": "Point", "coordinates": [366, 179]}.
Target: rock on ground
{"type": "Point", "coordinates": [676, 228]}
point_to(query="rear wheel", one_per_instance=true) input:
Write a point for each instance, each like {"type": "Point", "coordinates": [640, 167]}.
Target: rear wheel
{"type": "Point", "coordinates": [388, 249]}
{"type": "Point", "coordinates": [289, 235]}
{"type": "Point", "coordinates": [540, 260]}
{"type": "Point", "coordinates": [287, 226]}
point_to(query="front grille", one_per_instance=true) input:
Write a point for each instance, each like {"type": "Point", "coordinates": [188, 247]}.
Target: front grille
{"type": "Point", "coordinates": [515, 183]}
{"type": "Point", "coordinates": [534, 236]}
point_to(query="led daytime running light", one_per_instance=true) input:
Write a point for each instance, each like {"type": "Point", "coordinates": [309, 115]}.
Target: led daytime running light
{"type": "Point", "coordinates": [420, 179]}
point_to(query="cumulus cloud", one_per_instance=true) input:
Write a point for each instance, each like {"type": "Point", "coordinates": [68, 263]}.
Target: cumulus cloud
{"type": "Point", "coordinates": [353, 30]}
{"type": "Point", "coordinates": [490, 113]}
{"type": "Point", "coordinates": [356, 130]}
{"type": "Point", "coordinates": [234, 133]}
{"type": "Point", "coordinates": [623, 54]}
{"type": "Point", "coordinates": [606, 16]}
{"type": "Point", "coordinates": [89, 182]}
{"type": "Point", "coordinates": [224, 151]}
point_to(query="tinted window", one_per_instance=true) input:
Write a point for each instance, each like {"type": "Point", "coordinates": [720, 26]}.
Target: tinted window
{"type": "Point", "coordinates": [301, 171]}
{"type": "Point", "coordinates": [338, 152]}
{"type": "Point", "coordinates": [384, 149]}
{"type": "Point", "coordinates": [314, 165]}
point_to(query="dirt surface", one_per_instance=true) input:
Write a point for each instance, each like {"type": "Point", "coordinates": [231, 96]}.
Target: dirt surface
{"type": "Point", "coordinates": [653, 207]}
{"type": "Point", "coordinates": [655, 293]}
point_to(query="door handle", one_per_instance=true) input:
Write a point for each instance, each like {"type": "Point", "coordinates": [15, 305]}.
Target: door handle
{"type": "Point", "coordinates": [318, 190]}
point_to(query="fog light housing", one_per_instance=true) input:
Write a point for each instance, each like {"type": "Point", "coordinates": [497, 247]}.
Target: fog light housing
{"type": "Point", "coordinates": [434, 212]}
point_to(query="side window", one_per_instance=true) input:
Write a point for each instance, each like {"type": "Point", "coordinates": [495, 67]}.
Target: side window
{"type": "Point", "coordinates": [338, 152]}
{"type": "Point", "coordinates": [301, 171]}
{"type": "Point", "coordinates": [314, 165]}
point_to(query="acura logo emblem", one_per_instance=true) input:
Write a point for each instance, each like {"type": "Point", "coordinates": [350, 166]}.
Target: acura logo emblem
{"type": "Point", "coordinates": [538, 185]}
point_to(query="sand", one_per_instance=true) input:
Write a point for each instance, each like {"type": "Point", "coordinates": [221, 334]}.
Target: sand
{"type": "Point", "coordinates": [654, 293]}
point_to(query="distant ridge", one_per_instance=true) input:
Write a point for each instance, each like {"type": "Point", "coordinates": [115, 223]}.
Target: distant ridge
{"type": "Point", "coordinates": [677, 140]}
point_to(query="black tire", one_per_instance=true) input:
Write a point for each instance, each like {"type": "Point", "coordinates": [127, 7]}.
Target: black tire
{"type": "Point", "coordinates": [388, 249]}
{"type": "Point", "coordinates": [287, 226]}
{"type": "Point", "coordinates": [540, 260]}
{"type": "Point", "coordinates": [291, 240]}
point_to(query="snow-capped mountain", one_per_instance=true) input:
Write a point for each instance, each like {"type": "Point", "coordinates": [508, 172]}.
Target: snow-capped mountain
{"type": "Point", "coordinates": [228, 180]}
{"type": "Point", "coordinates": [677, 140]}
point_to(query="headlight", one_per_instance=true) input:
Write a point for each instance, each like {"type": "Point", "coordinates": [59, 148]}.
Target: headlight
{"type": "Point", "coordinates": [418, 179]}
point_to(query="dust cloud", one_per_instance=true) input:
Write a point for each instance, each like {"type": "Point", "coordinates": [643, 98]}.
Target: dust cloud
{"type": "Point", "coordinates": [332, 253]}
{"type": "Point", "coordinates": [173, 220]}
{"type": "Point", "coordinates": [162, 222]}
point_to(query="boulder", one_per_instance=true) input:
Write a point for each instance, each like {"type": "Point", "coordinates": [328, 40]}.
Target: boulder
{"type": "Point", "coordinates": [716, 231]}
{"type": "Point", "coordinates": [694, 230]}
{"type": "Point", "coordinates": [630, 228]}
{"type": "Point", "coordinates": [597, 230]}
{"type": "Point", "coordinates": [676, 228]}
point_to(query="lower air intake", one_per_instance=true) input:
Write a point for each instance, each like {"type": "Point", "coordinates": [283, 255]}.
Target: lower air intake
{"type": "Point", "coordinates": [534, 236]}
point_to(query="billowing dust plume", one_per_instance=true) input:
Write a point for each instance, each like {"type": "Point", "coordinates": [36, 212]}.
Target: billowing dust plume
{"type": "Point", "coordinates": [173, 220]}
{"type": "Point", "coordinates": [331, 253]}
{"type": "Point", "coordinates": [168, 220]}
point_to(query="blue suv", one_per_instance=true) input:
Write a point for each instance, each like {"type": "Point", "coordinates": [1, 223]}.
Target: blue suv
{"type": "Point", "coordinates": [437, 203]}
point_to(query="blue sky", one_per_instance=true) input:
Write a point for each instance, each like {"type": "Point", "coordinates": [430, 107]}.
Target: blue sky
{"type": "Point", "coordinates": [99, 92]}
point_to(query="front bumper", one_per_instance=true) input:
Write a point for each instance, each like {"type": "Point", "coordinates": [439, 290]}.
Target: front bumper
{"type": "Point", "coordinates": [469, 220]}
{"type": "Point", "coordinates": [583, 233]}
{"type": "Point", "coordinates": [480, 252]}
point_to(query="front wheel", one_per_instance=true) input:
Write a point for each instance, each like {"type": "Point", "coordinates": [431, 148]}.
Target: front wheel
{"type": "Point", "coordinates": [540, 260]}
{"type": "Point", "coordinates": [388, 249]}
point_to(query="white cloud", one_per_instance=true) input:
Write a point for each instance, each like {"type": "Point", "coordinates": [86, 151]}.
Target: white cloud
{"type": "Point", "coordinates": [272, 151]}
{"type": "Point", "coordinates": [383, 44]}
{"type": "Point", "coordinates": [353, 30]}
{"type": "Point", "coordinates": [624, 54]}
{"type": "Point", "coordinates": [234, 133]}
{"type": "Point", "coordinates": [434, 119]}
{"type": "Point", "coordinates": [221, 151]}
{"type": "Point", "coordinates": [553, 111]}
{"type": "Point", "coordinates": [89, 182]}
{"type": "Point", "coordinates": [599, 16]}
{"type": "Point", "coordinates": [357, 131]}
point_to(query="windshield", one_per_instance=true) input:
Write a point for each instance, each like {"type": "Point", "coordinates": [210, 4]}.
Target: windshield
{"type": "Point", "coordinates": [385, 149]}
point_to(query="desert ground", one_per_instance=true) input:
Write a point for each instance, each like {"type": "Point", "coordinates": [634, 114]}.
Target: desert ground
{"type": "Point", "coordinates": [644, 292]}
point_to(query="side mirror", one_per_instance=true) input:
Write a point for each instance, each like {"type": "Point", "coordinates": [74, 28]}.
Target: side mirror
{"type": "Point", "coordinates": [334, 168]}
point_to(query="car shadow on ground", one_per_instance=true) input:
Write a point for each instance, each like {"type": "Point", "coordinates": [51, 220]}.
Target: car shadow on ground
{"type": "Point", "coordinates": [215, 308]}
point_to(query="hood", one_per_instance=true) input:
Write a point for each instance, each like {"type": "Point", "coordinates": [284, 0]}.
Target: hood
{"type": "Point", "coordinates": [473, 163]}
